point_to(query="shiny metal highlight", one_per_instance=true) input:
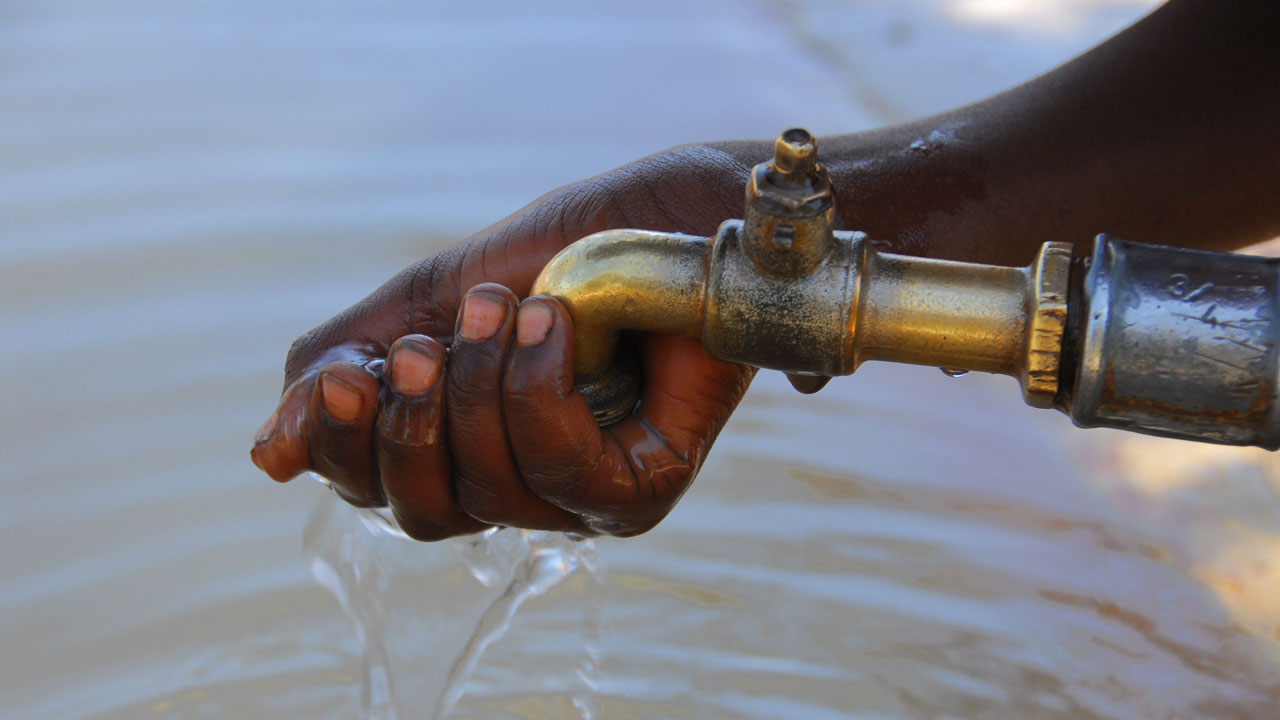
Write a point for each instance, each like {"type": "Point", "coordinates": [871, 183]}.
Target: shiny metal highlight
{"type": "Point", "coordinates": [782, 290]}
{"type": "Point", "coordinates": [1168, 341]}
{"type": "Point", "coordinates": [624, 280]}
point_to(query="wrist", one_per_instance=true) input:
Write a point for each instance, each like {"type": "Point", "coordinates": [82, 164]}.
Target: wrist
{"type": "Point", "coordinates": [927, 188]}
{"type": "Point", "coordinates": [938, 188]}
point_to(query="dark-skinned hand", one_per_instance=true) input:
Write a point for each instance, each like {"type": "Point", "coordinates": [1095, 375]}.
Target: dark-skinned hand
{"type": "Point", "coordinates": [448, 394]}
{"type": "Point", "coordinates": [1164, 133]}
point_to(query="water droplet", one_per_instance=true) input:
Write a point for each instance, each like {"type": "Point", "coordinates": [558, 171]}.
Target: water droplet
{"type": "Point", "coordinates": [954, 372]}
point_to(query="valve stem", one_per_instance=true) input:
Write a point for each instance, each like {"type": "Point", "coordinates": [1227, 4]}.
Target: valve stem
{"type": "Point", "coordinates": [789, 209]}
{"type": "Point", "coordinates": [795, 154]}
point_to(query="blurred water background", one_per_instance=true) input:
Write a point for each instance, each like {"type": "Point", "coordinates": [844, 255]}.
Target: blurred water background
{"type": "Point", "coordinates": [186, 187]}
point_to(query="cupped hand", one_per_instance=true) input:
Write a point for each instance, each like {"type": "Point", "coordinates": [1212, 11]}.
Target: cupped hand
{"type": "Point", "coordinates": [447, 394]}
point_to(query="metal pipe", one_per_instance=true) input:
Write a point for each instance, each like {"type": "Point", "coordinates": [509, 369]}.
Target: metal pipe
{"type": "Point", "coordinates": [1177, 342]}
{"type": "Point", "coordinates": [1164, 340]}
{"type": "Point", "coordinates": [624, 280]}
{"type": "Point", "coordinates": [965, 316]}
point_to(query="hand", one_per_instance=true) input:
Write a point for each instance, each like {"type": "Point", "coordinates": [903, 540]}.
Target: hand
{"type": "Point", "coordinates": [1177, 148]}
{"type": "Point", "coordinates": [492, 432]}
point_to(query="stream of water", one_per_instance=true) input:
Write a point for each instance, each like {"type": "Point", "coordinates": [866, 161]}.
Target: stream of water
{"type": "Point", "coordinates": [416, 658]}
{"type": "Point", "coordinates": [1130, 578]}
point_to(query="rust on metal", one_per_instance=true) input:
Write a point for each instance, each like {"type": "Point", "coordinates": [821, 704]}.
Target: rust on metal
{"type": "Point", "coordinates": [782, 289]}
{"type": "Point", "coordinates": [1166, 341]}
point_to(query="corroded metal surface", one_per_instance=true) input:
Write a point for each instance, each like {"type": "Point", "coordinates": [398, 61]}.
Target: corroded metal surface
{"type": "Point", "coordinates": [1171, 342]}
{"type": "Point", "coordinates": [799, 322]}
{"type": "Point", "coordinates": [782, 290]}
{"type": "Point", "coordinates": [1179, 343]}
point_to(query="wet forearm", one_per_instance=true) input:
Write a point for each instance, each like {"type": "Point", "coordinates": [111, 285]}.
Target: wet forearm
{"type": "Point", "coordinates": [1165, 133]}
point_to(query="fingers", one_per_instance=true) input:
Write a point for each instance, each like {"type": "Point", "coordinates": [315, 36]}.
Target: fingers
{"type": "Point", "coordinates": [808, 384]}
{"type": "Point", "coordinates": [323, 423]}
{"type": "Point", "coordinates": [497, 434]}
{"type": "Point", "coordinates": [621, 482]}
{"type": "Point", "coordinates": [412, 450]}
{"type": "Point", "coordinates": [488, 482]}
{"type": "Point", "coordinates": [339, 425]}
{"type": "Point", "coordinates": [280, 447]}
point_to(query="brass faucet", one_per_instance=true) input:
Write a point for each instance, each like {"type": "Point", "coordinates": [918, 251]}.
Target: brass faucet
{"type": "Point", "coordinates": [782, 289]}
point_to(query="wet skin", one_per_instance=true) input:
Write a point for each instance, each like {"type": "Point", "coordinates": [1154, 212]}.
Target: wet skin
{"type": "Point", "coordinates": [447, 394]}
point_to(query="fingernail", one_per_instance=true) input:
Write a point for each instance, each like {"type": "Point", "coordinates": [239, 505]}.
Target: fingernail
{"type": "Point", "coordinates": [533, 323]}
{"type": "Point", "coordinates": [254, 456]}
{"type": "Point", "coordinates": [268, 429]}
{"type": "Point", "coordinates": [482, 315]}
{"type": "Point", "coordinates": [413, 371]}
{"type": "Point", "coordinates": [342, 401]}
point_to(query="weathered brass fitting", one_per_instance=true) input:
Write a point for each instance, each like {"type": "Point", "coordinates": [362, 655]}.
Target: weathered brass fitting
{"type": "Point", "coordinates": [782, 290]}
{"type": "Point", "coordinates": [789, 208]}
{"type": "Point", "coordinates": [624, 280]}
{"type": "Point", "coordinates": [1160, 340]}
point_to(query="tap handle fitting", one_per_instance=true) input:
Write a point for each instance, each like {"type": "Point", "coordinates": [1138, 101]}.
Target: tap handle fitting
{"type": "Point", "coordinates": [795, 154]}
{"type": "Point", "coordinates": [789, 206]}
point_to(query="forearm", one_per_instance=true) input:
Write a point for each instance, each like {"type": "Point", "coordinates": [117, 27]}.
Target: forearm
{"type": "Point", "coordinates": [1166, 133]}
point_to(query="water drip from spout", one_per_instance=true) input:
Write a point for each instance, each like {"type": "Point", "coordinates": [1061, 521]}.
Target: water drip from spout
{"type": "Point", "coordinates": [425, 614]}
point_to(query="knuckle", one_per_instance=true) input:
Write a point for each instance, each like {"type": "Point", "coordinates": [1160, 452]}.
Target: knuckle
{"type": "Point", "coordinates": [472, 429]}
{"type": "Point", "coordinates": [562, 485]}
{"type": "Point", "coordinates": [596, 205]}
{"type": "Point", "coordinates": [299, 347]}
{"type": "Point", "coordinates": [332, 464]}
{"type": "Point", "coordinates": [429, 282]}
{"type": "Point", "coordinates": [561, 475]}
{"type": "Point", "coordinates": [519, 392]}
{"type": "Point", "coordinates": [405, 441]}
{"type": "Point", "coordinates": [357, 496]}
{"type": "Point", "coordinates": [480, 501]}
{"type": "Point", "coordinates": [405, 430]}
{"type": "Point", "coordinates": [350, 478]}
{"type": "Point", "coordinates": [531, 392]}
{"type": "Point", "coordinates": [474, 374]}
{"type": "Point", "coordinates": [467, 391]}
{"type": "Point", "coordinates": [421, 529]}
{"type": "Point", "coordinates": [628, 521]}
{"type": "Point", "coordinates": [300, 353]}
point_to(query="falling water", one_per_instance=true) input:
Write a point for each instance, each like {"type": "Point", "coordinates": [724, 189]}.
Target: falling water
{"type": "Point", "coordinates": [421, 627]}
{"type": "Point", "coordinates": [1033, 579]}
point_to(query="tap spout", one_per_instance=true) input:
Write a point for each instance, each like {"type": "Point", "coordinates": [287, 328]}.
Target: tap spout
{"type": "Point", "coordinates": [781, 289]}
{"type": "Point", "coordinates": [625, 280]}
{"type": "Point", "coordinates": [1166, 341]}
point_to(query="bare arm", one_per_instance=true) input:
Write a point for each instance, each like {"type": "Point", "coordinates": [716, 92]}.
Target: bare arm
{"type": "Point", "coordinates": [1168, 132]}
{"type": "Point", "coordinates": [1165, 134]}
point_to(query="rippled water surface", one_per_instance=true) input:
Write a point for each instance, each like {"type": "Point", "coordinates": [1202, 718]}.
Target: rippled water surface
{"type": "Point", "coordinates": [186, 187]}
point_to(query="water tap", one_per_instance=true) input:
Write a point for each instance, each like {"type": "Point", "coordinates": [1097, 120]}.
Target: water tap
{"type": "Point", "coordinates": [1160, 340]}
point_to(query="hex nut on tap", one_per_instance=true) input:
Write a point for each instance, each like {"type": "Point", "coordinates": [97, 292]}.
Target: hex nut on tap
{"type": "Point", "coordinates": [789, 209]}
{"type": "Point", "coordinates": [781, 289]}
